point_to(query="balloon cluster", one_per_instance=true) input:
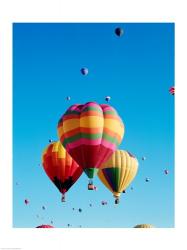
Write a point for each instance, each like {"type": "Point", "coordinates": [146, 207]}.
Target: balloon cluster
{"type": "Point", "coordinates": [89, 135]}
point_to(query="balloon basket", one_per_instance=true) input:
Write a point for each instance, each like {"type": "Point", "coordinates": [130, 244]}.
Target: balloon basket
{"type": "Point", "coordinates": [117, 201]}
{"type": "Point", "coordinates": [63, 198]}
{"type": "Point", "coordinates": [90, 187]}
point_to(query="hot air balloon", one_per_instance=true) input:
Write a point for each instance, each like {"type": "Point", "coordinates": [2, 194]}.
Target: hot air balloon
{"type": "Point", "coordinates": [45, 226]}
{"type": "Point", "coordinates": [26, 201]}
{"type": "Point", "coordinates": [166, 171]}
{"type": "Point", "coordinates": [107, 98]}
{"type": "Point", "coordinates": [119, 31]}
{"type": "Point", "coordinates": [43, 207]}
{"type": "Point", "coordinates": [103, 203]}
{"type": "Point", "coordinates": [68, 98]}
{"type": "Point", "coordinates": [143, 158]}
{"type": "Point", "coordinates": [144, 226]}
{"type": "Point", "coordinates": [84, 71]}
{"type": "Point", "coordinates": [50, 140]}
{"type": "Point", "coordinates": [118, 172]}
{"type": "Point", "coordinates": [147, 179]}
{"type": "Point", "coordinates": [62, 170]}
{"type": "Point", "coordinates": [124, 191]}
{"type": "Point", "coordinates": [172, 90]}
{"type": "Point", "coordinates": [80, 210]}
{"type": "Point", "coordinates": [90, 133]}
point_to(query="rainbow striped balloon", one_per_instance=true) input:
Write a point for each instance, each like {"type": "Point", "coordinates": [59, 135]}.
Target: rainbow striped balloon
{"type": "Point", "coordinates": [90, 133]}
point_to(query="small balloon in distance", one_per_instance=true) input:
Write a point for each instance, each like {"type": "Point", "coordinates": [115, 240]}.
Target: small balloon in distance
{"type": "Point", "coordinates": [45, 226]}
{"type": "Point", "coordinates": [68, 98]}
{"type": "Point", "coordinates": [104, 203]}
{"type": "Point", "coordinates": [84, 71]}
{"type": "Point", "coordinates": [147, 179]}
{"type": "Point", "coordinates": [172, 90]}
{"type": "Point", "coordinates": [119, 31]}
{"type": "Point", "coordinates": [26, 201]}
{"type": "Point", "coordinates": [166, 171]}
{"type": "Point", "coordinates": [107, 98]}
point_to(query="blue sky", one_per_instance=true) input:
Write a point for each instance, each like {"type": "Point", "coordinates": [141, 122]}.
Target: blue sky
{"type": "Point", "coordinates": [136, 70]}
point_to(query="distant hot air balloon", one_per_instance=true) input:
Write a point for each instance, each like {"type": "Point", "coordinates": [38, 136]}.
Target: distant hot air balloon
{"type": "Point", "coordinates": [166, 171]}
{"type": "Point", "coordinates": [118, 172]}
{"type": "Point", "coordinates": [45, 226]}
{"type": "Point", "coordinates": [43, 207]}
{"type": "Point", "coordinates": [124, 191]}
{"type": "Point", "coordinates": [60, 167]}
{"type": "Point", "coordinates": [147, 179]}
{"type": "Point", "coordinates": [50, 140]}
{"type": "Point", "coordinates": [119, 31]}
{"type": "Point", "coordinates": [172, 90]}
{"type": "Point", "coordinates": [107, 98]}
{"type": "Point", "coordinates": [144, 226]}
{"type": "Point", "coordinates": [103, 203]}
{"type": "Point", "coordinates": [26, 201]}
{"type": "Point", "coordinates": [90, 133]}
{"type": "Point", "coordinates": [80, 210]}
{"type": "Point", "coordinates": [68, 98]}
{"type": "Point", "coordinates": [90, 205]}
{"type": "Point", "coordinates": [84, 71]}
{"type": "Point", "coordinates": [143, 158]}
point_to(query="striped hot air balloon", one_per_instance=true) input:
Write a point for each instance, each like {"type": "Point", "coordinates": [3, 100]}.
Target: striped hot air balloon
{"type": "Point", "coordinates": [118, 172]}
{"type": "Point", "coordinates": [90, 133]}
{"type": "Point", "coordinates": [172, 90]}
{"type": "Point", "coordinates": [60, 167]}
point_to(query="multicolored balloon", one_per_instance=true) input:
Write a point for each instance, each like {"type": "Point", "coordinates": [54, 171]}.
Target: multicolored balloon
{"type": "Point", "coordinates": [62, 170]}
{"type": "Point", "coordinates": [90, 133]}
{"type": "Point", "coordinates": [144, 226]}
{"type": "Point", "coordinates": [118, 172]}
{"type": "Point", "coordinates": [45, 226]}
{"type": "Point", "coordinates": [172, 90]}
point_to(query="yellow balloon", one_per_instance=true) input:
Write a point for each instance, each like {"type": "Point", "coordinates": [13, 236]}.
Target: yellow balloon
{"type": "Point", "coordinates": [144, 226]}
{"type": "Point", "coordinates": [118, 172]}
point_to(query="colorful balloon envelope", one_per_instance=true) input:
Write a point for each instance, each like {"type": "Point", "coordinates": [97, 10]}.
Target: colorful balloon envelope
{"type": "Point", "coordinates": [144, 226]}
{"type": "Point", "coordinates": [45, 226]}
{"type": "Point", "coordinates": [172, 90]}
{"type": "Point", "coordinates": [90, 133]}
{"type": "Point", "coordinates": [62, 170]}
{"type": "Point", "coordinates": [118, 172]}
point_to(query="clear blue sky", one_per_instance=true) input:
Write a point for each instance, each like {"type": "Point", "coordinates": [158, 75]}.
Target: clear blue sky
{"type": "Point", "coordinates": [136, 70]}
